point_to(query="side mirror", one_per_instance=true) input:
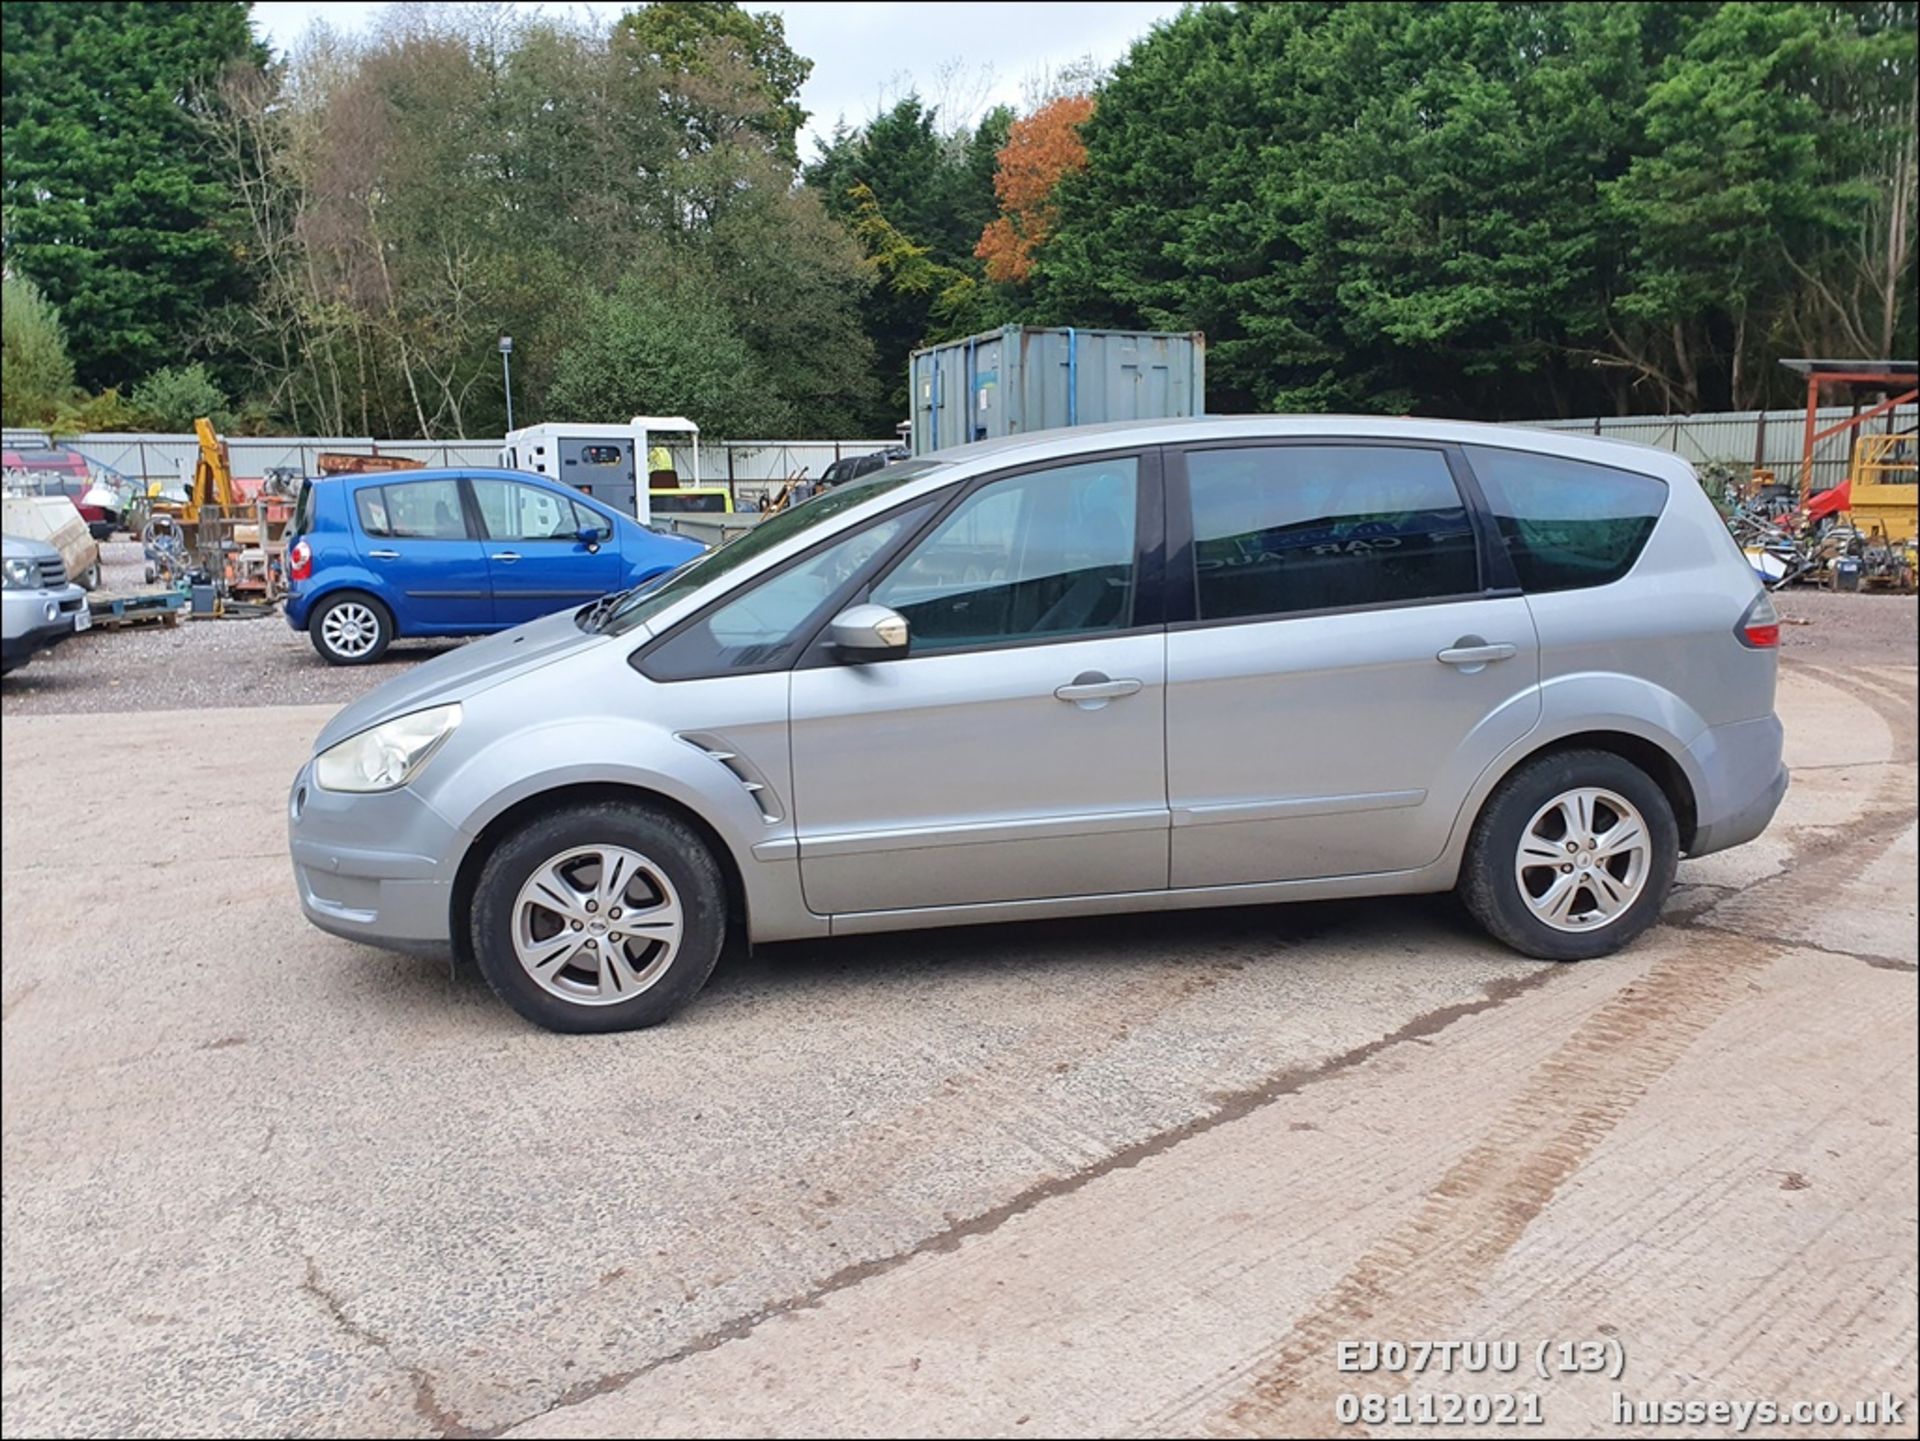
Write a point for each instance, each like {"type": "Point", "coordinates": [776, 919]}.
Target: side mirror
{"type": "Point", "coordinates": [869, 632]}
{"type": "Point", "coordinates": [591, 535]}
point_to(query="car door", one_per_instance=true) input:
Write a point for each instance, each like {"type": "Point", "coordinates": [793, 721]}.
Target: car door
{"type": "Point", "coordinates": [1346, 653]}
{"type": "Point", "coordinates": [1016, 751]}
{"type": "Point", "coordinates": [414, 536]}
{"type": "Point", "coordinates": [536, 561]}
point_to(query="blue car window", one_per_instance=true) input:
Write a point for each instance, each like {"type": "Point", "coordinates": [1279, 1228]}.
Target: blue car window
{"type": "Point", "coordinates": [417, 510]}
{"type": "Point", "coordinates": [512, 511]}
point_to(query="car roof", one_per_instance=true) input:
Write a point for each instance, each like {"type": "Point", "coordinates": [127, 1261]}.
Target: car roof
{"type": "Point", "coordinates": [441, 472]}
{"type": "Point", "coordinates": [1069, 440]}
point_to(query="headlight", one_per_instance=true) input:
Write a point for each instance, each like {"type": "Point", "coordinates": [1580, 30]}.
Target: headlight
{"type": "Point", "coordinates": [387, 756]}
{"type": "Point", "coordinates": [22, 575]}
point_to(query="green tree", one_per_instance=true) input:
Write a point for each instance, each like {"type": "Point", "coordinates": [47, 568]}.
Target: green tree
{"type": "Point", "coordinates": [114, 204]}
{"type": "Point", "coordinates": [722, 53]}
{"type": "Point", "coordinates": [915, 196]}
{"type": "Point", "coordinates": [175, 396]}
{"type": "Point", "coordinates": [662, 344]}
{"type": "Point", "coordinates": [36, 375]}
{"type": "Point", "coordinates": [1498, 209]}
{"type": "Point", "coordinates": [1758, 140]}
{"type": "Point", "coordinates": [1375, 207]}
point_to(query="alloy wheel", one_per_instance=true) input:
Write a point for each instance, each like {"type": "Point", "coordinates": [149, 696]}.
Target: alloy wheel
{"type": "Point", "coordinates": [350, 629]}
{"type": "Point", "coordinates": [597, 925]}
{"type": "Point", "coordinates": [1583, 859]}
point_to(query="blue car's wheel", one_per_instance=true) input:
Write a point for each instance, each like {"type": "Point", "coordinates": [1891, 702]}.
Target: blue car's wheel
{"type": "Point", "coordinates": [350, 629]}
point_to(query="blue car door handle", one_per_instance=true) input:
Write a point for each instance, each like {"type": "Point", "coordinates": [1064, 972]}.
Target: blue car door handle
{"type": "Point", "coordinates": [383, 555]}
{"type": "Point", "coordinates": [506, 556]}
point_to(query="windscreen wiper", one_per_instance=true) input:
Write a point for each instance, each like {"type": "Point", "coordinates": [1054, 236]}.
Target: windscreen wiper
{"type": "Point", "coordinates": [595, 615]}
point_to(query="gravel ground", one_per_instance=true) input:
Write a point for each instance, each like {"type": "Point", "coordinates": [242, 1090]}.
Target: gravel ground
{"type": "Point", "coordinates": [262, 662]}
{"type": "Point", "coordinates": [194, 664]}
{"type": "Point", "coordinates": [1858, 629]}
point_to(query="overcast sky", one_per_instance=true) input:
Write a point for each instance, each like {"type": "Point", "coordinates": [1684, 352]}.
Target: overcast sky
{"type": "Point", "coordinates": [867, 55]}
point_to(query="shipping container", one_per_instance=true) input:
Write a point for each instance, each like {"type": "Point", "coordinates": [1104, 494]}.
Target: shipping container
{"type": "Point", "coordinates": [1023, 378]}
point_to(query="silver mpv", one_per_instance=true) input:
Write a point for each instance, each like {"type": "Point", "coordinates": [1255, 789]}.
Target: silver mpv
{"type": "Point", "coordinates": [1170, 664]}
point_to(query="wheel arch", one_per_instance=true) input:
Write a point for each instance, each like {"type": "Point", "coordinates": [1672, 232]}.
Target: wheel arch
{"type": "Point", "coordinates": [1662, 765]}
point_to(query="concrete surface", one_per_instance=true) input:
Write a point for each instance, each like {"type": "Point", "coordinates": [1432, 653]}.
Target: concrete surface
{"type": "Point", "coordinates": [1133, 1176]}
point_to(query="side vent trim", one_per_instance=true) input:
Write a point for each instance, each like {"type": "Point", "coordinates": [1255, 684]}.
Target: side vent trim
{"type": "Point", "coordinates": [756, 785]}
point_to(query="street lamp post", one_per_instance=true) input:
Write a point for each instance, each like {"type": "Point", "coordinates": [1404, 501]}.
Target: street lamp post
{"type": "Point", "coordinates": [506, 374]}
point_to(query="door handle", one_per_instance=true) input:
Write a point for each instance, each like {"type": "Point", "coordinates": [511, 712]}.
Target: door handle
{"type": "Point", "coordinates": [507, 557]}
{"type": "Point", "coordinates": [1093, 686]}
{"type": "Point", "coordinates": [1471, 653]}
{"type": "Point", "coordinates": [383, 555]}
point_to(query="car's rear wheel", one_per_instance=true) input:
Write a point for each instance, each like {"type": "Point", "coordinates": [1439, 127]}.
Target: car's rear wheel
{"type": "Point", "coordinates": [602, 917]}
{"type": "Point", "coordinates": [350, 629]}
{"type": "Point", "coordinates": [1572, 857]}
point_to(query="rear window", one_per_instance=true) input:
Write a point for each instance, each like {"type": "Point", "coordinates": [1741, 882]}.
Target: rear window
{"type": "Point", "coordinates": [1568, 524]}
{"type": "Point", "coordinates": [417, 510]}
{"type": "Point", "coordinates": [303, 509]}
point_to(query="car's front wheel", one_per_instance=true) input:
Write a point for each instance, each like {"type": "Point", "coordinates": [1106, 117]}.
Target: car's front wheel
{"type": "Point", "coordinates": [600, 917]}
{"type": "Point", "coordinates": [1572, 857]}
{"type": "Point", "coordinates": [350, 629]}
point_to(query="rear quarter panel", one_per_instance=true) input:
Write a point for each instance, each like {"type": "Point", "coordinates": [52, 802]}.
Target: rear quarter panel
{"type": "Point", "coordinates": [1659, 642]}
{"type": "Point", "coordinates": [335, 542]}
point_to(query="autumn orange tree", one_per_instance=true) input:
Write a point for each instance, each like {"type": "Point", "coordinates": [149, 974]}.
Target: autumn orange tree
{"type": "Point", "coordinates": [1040, 149]}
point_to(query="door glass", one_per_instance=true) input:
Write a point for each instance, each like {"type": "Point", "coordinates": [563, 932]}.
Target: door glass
{"type": "Point", "coordinates": [418, 510]}
{"type": "Point", "coordinates": [526, 512]}
{"type": "Point", "coordinates": [761, 626]}
{"type": "Point", "coordinates": [1286, 528]}
{"type": "Point", "coordinates": [1050, 553]}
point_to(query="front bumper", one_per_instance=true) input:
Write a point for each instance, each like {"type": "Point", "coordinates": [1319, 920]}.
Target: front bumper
{"type": "Point", "coordinates": [373, 868]}
{"type": "Point", "coordinates": [1743, 781]}
{"type": "Point", "coordinates": [37, 619]}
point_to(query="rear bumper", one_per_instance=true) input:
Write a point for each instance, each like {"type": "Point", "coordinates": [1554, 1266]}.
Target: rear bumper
{"type": "Point", "coordinates": [396, 894]}
{"type": "Point", "coordinates": [1742, 783]}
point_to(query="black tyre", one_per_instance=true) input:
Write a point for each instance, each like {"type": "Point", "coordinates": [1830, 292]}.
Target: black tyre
{"type": "Point", "coordinates": [89, 578]}
{"type": "Point", "coordinates": [1572, 856]}
{"type": "Point", "coordinates": [603, 917]}
{"type": "Point", "coordinates": [350, 629]}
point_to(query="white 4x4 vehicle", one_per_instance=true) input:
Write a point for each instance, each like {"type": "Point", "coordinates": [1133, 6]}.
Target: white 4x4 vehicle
{"type": "Point", "coordinates": [55, 520]}
{"type": "Point", "coordinates": [41, 607]}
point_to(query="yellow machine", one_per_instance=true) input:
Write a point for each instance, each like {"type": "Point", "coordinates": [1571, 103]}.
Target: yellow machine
{"type": "Point", "coordinates": [1886, 487]}
{"type": "Point", "coordinates": [212, 476]}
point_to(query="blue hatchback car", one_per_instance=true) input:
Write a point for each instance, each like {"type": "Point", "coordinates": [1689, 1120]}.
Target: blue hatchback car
{"type": "Point", "coordinates": [446, 552]}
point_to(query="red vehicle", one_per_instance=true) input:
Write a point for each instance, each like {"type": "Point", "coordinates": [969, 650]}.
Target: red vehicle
{"type": "Point", "coordinates": [55, 470]}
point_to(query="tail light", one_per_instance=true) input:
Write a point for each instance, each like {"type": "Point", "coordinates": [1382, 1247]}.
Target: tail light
{"type": "Point", "coordinates": [1759, 628]}
{"type": "Point", "coordinates": [300, 561]}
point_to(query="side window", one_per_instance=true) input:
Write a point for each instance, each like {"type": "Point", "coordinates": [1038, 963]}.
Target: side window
{"type": "Point", "coordinates": [1050, 553]}
{"type": "Point", "coordinates": [763, 624]}
{"type": "Point", "coordinates": [371, 505]}
{"type": "Point", "coordinates": [513, 511]}
{"type": "Point", "coordinates": [425, 510]}
{"type": "Point", "coordinates": [1287, 528]}
{"type": "Point", "coordinates": [1567, 523]}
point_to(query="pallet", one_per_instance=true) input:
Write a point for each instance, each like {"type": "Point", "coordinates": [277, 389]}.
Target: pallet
{"type": "Point", "coordinates": [151, 607]}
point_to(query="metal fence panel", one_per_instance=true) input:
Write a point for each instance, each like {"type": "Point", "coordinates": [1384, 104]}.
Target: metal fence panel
{"type": "Point", "coordinates": [1772, 439]}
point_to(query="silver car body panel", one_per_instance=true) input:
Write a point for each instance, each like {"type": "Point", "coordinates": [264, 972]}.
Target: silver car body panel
{"type": "Point", "coordinates": [1319, 755]}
